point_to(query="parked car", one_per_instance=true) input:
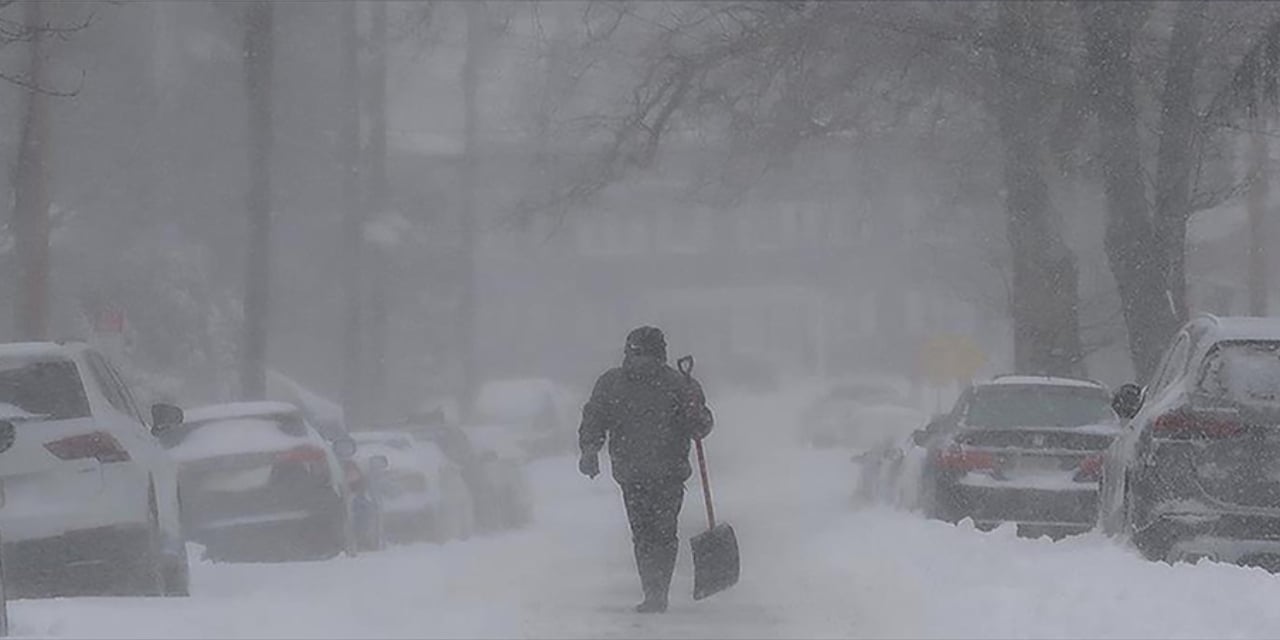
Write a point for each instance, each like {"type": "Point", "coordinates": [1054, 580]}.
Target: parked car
{"type": "Point", "coordinates": [536, 417]}
{"type": "Point", "coordinates": [421, 491]}
{"type": "Point", "coordinates": [1020, 449]}
{"type": "Point", "coordinates": [259, 483]}
{"type": "Point", "coordinates": [493, 469]}
{"type": "Point", "coordinates": [859, 415]}
{"type": "Point", "coordinates": [1196, 474]}
{"type": "Point", "coordinates": [88, 497]}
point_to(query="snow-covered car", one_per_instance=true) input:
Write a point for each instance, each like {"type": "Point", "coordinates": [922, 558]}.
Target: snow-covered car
{"type": "Point", "coordinates": [259, 483]}
{"type": "Point", "coordinates": [537, 417]}
{"type": "Point", "coordinates": [880, 468]}
{"type": "Point", "coordinates": [492, 466]}
{"type": "Point", "coordinates": [421, 491]}
{"type": "Point", "coordinates": [1020, 449]}
{"type": "Point", "coordinates": [1197, 472]}
{"type": "Point", "coordinates": [859, 415]}
{"type": "Point", "coordinates": [88, 497]}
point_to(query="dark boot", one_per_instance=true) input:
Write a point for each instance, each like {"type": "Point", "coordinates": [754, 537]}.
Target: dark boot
{"type": "Point", "coordinates": [656, 565]}
{"type": "Point", "coordinates": [650, 562]}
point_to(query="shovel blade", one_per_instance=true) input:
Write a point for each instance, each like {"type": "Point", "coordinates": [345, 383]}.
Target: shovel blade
{"type": "Point", "coordinates": [715, 561]}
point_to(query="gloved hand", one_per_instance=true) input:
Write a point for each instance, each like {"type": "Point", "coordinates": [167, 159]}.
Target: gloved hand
{"type": "Point", "coordinates": [589, 465]}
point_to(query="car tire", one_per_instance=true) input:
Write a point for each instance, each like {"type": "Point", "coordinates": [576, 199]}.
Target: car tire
{"type": "Point", "coordinates": [1155, 539]}
{"type": "Point", "coordinates": [176, 575]}
{"type": "Point", "coordinates": [140, 563]}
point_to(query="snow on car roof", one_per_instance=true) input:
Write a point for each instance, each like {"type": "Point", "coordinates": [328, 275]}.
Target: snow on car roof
{"type": "Point", "coordinates": [236, 435]}
{"type": "Point", "coordinates": [235, 410]}
{"type": "Point", "coordinates": [380, 436]}
{"type": "Point", "coordinates": [36, 350]}
{"type": "Point", "coordinates": [1042, 380]}
{"type": "Point", "coordinates": [1245, 328]}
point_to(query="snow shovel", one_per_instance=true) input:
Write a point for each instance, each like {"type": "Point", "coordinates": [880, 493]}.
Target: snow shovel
{"type": "Point", "coordinates": [715, 551]}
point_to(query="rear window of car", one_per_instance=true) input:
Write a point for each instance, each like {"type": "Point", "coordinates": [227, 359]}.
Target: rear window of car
{"type": "Point", "coordinates": [46, 388]}
{"type": "Point", "coordinates": [1009, 406]}
{"type": "Point", "coordinates": [1242, 371]}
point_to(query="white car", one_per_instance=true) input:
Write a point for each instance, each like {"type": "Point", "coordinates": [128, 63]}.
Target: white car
{"type": "Point", "coordinates": [88, 497]}
{"type": "Point", "coordinates": [859, 415]}
{"type": "Point", "coordinates": [421, 492]}
{"type": "Point", "coordinates": [537, 417]}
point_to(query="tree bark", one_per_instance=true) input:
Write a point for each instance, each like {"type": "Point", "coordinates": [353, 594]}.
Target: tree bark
{"type": "Point", "coordinates": [258, 62]}
{"type": "Point", "coordinates": [467, 312]}
{"type": "Point", "coordinates": [31, 192]}
{"type": "Point", "coordinates": [353, 216]}
{"type": "Point", "coordinates": [1175, 156]}
{"type": "Point", "coordinates": [1044, 303]}
{"type": "Point", "coordinates": [379, 303]}
{"type": "Point", "coordinates": [1257, 204]}
{"type": "Point", "coordinates": [1132, 251]}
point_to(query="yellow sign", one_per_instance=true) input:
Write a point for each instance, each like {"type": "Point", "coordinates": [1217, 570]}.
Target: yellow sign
{"type": "Point", "coordinates": [950, 357]}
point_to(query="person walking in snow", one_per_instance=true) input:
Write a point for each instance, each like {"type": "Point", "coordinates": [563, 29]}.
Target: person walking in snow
{"type": "Point", "coordinates": [649, 414]}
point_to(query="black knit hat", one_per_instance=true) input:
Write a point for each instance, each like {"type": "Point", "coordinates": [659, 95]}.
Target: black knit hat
{"type": "Point", "coordinates": [647, 341]}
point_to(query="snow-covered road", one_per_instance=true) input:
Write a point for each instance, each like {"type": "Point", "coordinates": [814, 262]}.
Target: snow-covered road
{"type": "Point", "coordinates": [812, 567]}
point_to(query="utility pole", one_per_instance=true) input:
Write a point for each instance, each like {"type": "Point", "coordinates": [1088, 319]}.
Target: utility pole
{"type": "Point", "coordinates": [259, 53]}
{"type": "Point", "coordinates": [31, 190]}
{"type": "Point", "coordinates": [467, 315]}
{"type": "Point", "coordinates": [379, 271]}
{"type": "Point", "coordinates": [352, 213]}
{"type": "Point", "coordinates": [1259, 188]}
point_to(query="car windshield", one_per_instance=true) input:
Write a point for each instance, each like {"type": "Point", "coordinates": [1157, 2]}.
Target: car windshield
{"type": "Point", "coordinates": [1243, 372]}
{"type": "Point", "coordinates": [1007, 406]}
{"type": "Point", "coordinates": [50, 389]}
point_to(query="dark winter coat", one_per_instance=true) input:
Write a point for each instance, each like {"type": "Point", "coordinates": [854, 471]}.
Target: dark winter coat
{"type": "Point", "coordinates": [649, 413]}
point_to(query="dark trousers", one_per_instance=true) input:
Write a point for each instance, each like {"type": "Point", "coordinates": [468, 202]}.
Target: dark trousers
{"type": "Point", "coordinates": [653, 508]}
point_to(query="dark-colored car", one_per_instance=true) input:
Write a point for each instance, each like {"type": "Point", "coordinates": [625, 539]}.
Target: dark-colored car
{"type": "Point", "coordinates": [258, 483]}
{"type": "Point", "coordinates": [1020, 449]}
{"type": "Point", "coordinates": [1196, 473]}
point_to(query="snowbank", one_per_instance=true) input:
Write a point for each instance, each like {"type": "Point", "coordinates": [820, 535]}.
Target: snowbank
{"type": "Point", "coordinates": [813, 567]}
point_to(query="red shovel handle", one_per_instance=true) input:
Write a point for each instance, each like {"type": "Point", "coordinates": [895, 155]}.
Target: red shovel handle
{"type": "Point", "coordinates": [706, 485]}
{"type": "Point", "coordinates": [685, 365]}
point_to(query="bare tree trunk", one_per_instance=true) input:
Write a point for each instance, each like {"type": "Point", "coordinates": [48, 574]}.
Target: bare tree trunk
{"type": "Point", "coordinates": [258, 62]}
{"type": "Point", "coordinates": [353, 216]}
{"type": "Point", "coordinates": [31, 192]}
{"type": "Point", "coordinates": [1257, 204]}
{"type": "Point", "coordinates": [467, 314]}
{"type": "Point", "coordinates": [379, 304]}
{"type": "Point", "coordinates": [1044, 302]}
{"type": "Point", "coordinates": [1135, 258]}
{"type": "Point", "coordinates": [1174, 158]}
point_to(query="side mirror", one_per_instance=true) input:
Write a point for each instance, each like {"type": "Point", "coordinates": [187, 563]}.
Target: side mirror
{"type": "Point", "coordinates": [1127, 401]}
{"type": "Point", "coordinates": [165, 417]}
{"type": "Point", "coordinates": [379, 463]}
{"type": "Point", "coordinates": [8, 433]}
{"type": "Point", "coordinates": [344, 448]}
{"type": "Point", "coordinates": [919, 436]}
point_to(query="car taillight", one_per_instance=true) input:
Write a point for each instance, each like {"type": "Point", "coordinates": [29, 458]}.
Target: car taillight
{"type": "Point", "coordinates": [304, 453]}
{"type": "Point", "coordinates": [1090, 469]}
{"type": "Point", "coordinates": [99, 444]}
{"type": "Point", "coordinates": [1185, 424]}
{"type": "Point", "coordinates": [351, 471]}
{"type": "Point", "coordinates": [958, 458]}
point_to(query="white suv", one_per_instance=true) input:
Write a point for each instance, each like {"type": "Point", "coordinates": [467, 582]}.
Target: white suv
{"type": "Point", "coordinates": [88, 498]}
